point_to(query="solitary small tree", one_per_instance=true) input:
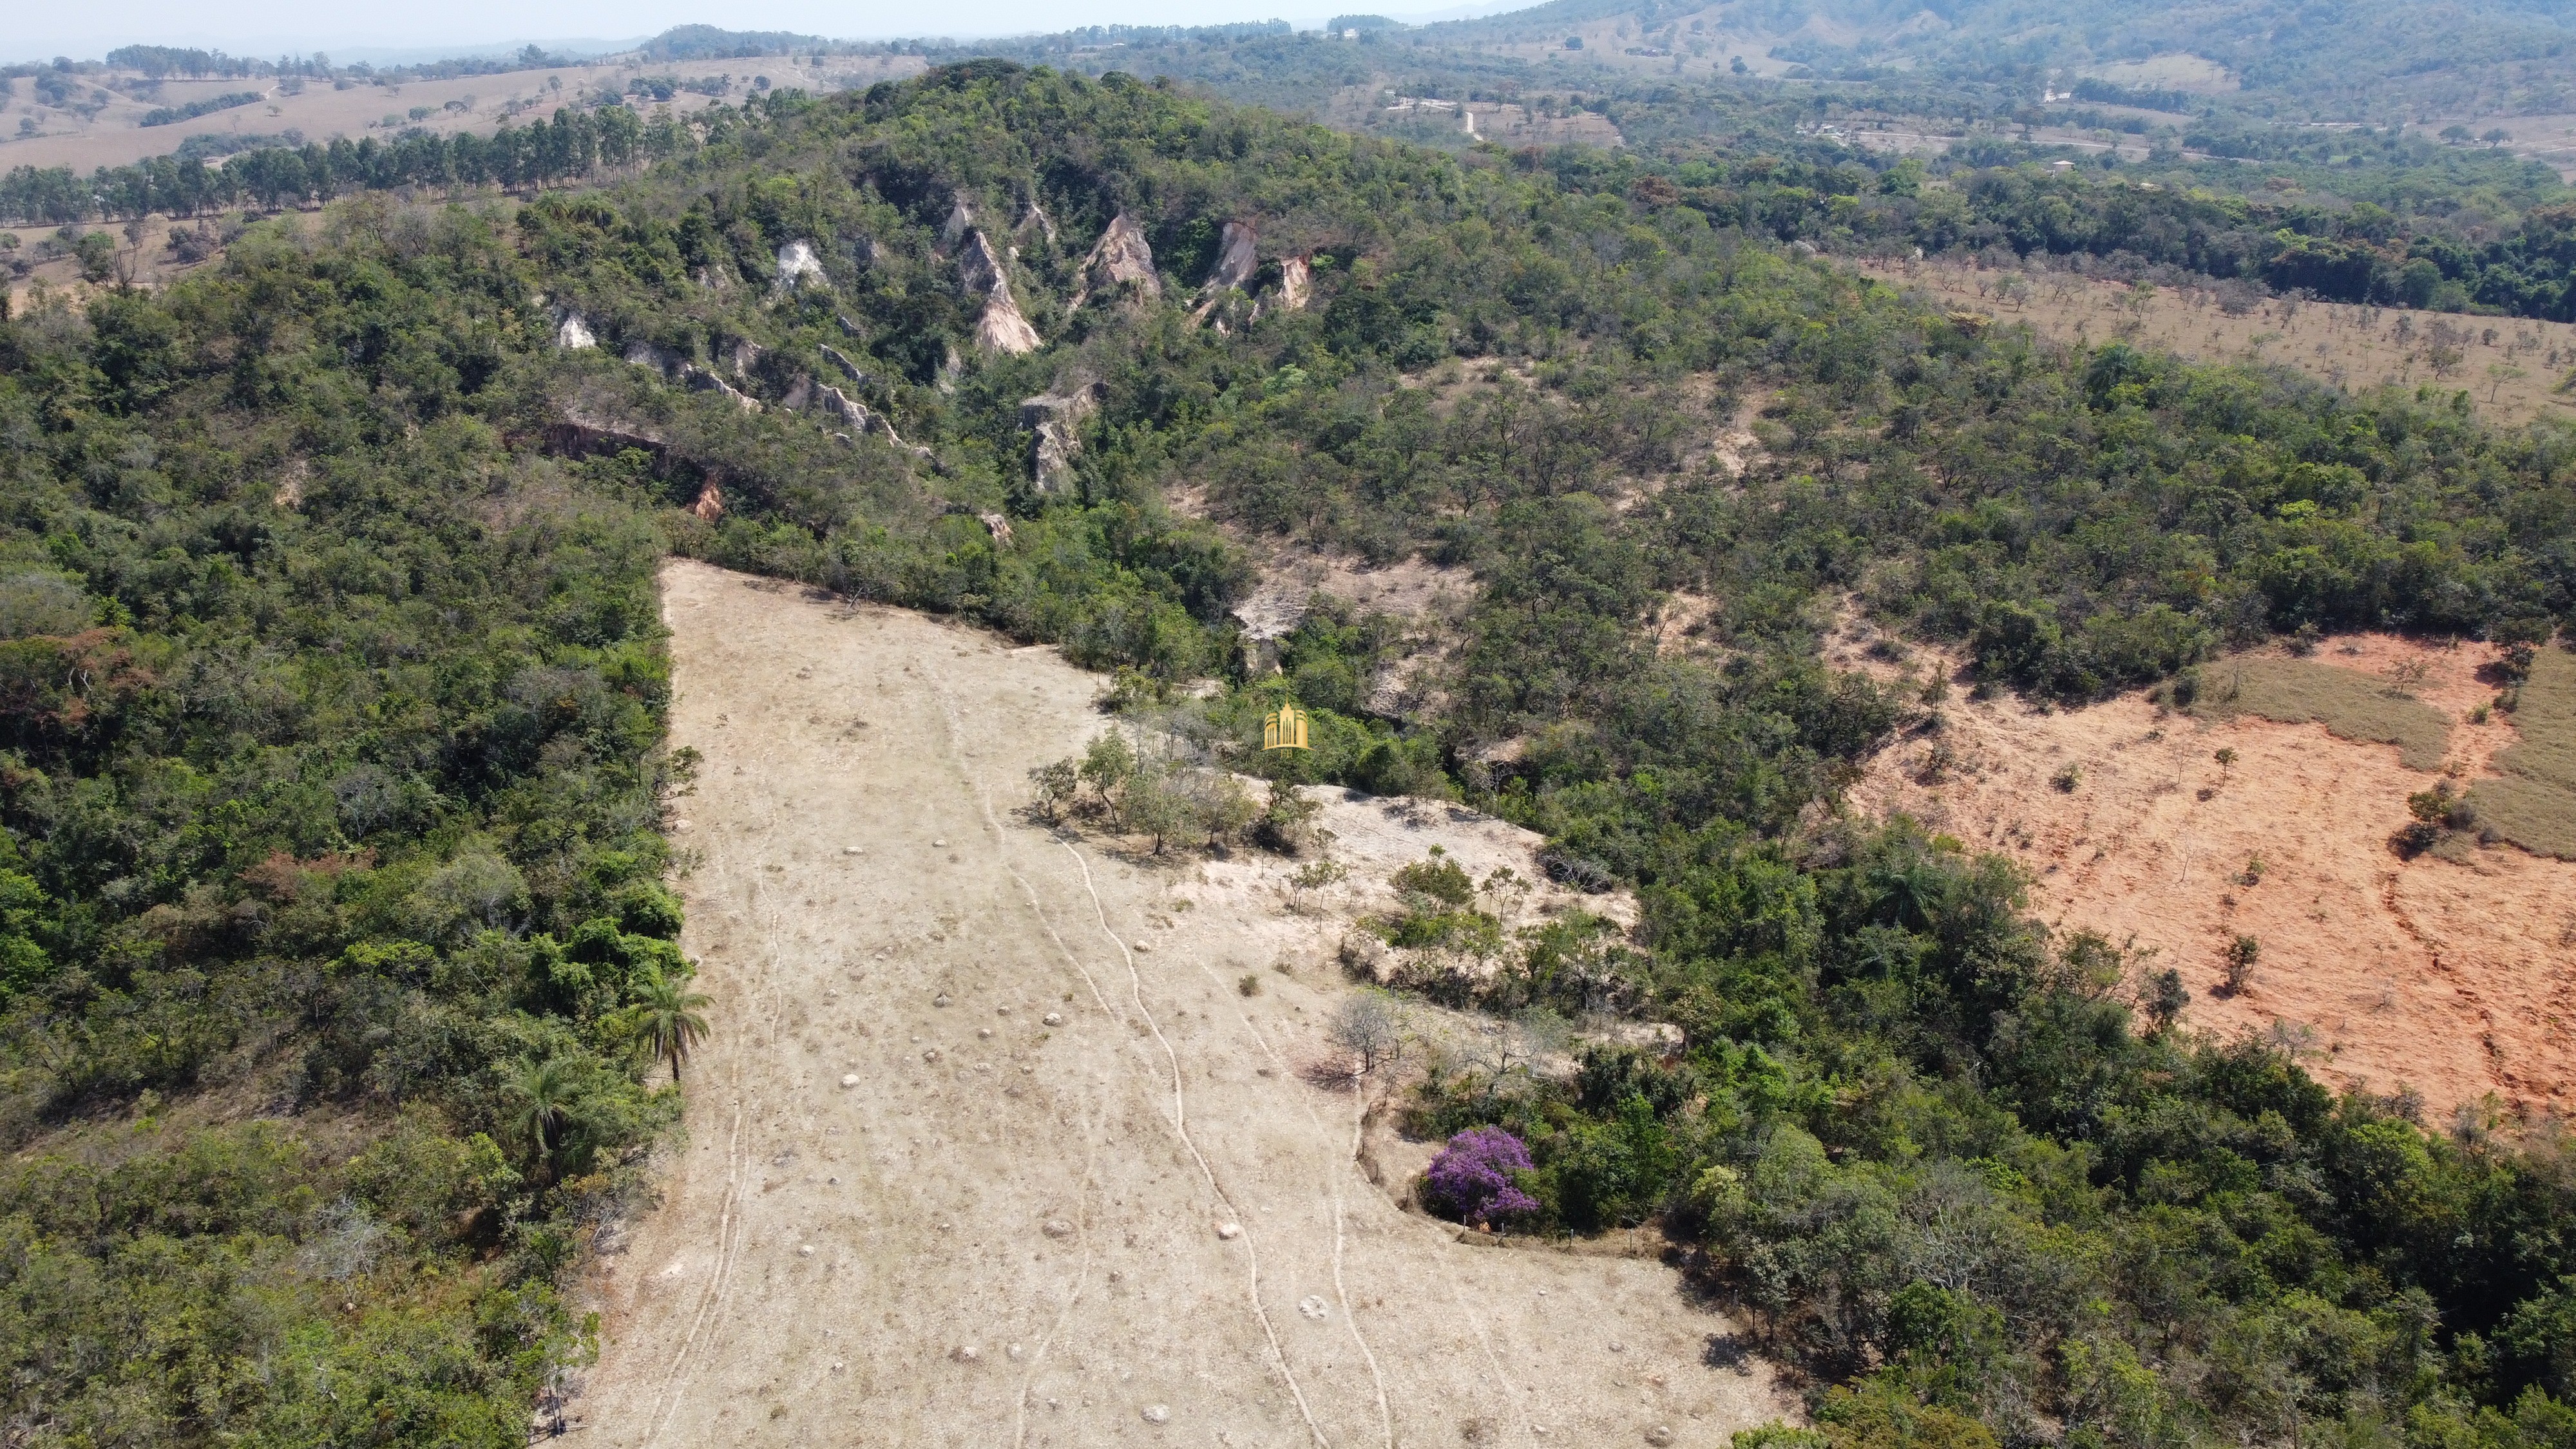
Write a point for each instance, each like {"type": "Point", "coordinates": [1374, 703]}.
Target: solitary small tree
{"type": "Point", "coordinates": [1367, 1034]}
{"type": "Point", "coordinates": [2242, 953]}
{"type": "Point", "coordinates": [1312, 876]}
{"type": "Point", "coordinates": [664, 1019]}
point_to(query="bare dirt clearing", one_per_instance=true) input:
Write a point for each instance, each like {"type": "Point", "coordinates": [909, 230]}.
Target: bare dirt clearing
{"type": "Point", "coordinates": [2448, 973]}
{"type": "Point", "coordinates": [990, 1147]}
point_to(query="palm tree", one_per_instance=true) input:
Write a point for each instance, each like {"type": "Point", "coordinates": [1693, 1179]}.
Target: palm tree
{"type": "Point", "coordinates": [665, 1019]}
{"type": "Point", "coordinates": [543, 1089]}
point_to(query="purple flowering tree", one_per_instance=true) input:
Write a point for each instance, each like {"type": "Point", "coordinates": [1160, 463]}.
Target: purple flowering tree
{"type": "Point", "coordinates": [1471, 1178]}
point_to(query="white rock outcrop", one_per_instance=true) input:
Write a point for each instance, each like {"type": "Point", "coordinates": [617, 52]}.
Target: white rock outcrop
{"type": "Point", "coordinates": [698, 379]}
{"type": "Point", "coordinates": [573, 334]}
{"type": "Point", "coordinates": [1296, 284]}
{"type": "Point", "coordinates": [1238, 259]}
{"type": "Point", "coordinates": [798, 266]}
{"type": "Point", "coordinates": [644, 354]}
{"type": "Point", "coordinates": [999, 327]}
{"type": "Point", "coordinates": [1054, 421]}
{"type": "Point", "coordinates": [1121, 259]}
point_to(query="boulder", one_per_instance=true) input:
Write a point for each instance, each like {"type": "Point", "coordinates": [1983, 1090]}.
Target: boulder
{"type": "Point", "coordinates": [798, 266]}
{"type": "Point", "coordinates": [960, 223]}
{"type": "Point", "coordinates": [1054, 421]}
{"type": "Point", "coordinates": [1120, 260]}
{"type": "Point", "coordinates": [833, 403]}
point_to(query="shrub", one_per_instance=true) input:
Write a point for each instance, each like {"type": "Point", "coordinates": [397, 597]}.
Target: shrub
{"type": "Point", "coordinates": [1471, 1180]}
{"type": "Point", "coordinates": [1441, 879]}
{"type": "Point", "coordinates": [2242, 953]}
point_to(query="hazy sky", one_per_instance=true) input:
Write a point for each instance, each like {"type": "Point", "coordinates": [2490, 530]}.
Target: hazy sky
{"type": "Point", "coordinates": [272, 27]}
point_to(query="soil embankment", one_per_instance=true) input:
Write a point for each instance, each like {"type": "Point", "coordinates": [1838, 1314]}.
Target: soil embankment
{"type": "Point", "coordinates": [989, 1146]}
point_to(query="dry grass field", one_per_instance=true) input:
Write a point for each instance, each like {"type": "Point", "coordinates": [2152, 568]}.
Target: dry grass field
{"type": "Point", "coordinates": [2512, 369]}
{"type": "Point", "coordinates": [2532, 799]}
{"type": "Point", "coordinates": [2350, 704]}
{"type": "Point", "coordinates": [114, 136]}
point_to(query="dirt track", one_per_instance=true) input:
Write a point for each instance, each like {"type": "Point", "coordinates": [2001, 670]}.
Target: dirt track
{"type": "Point", "coordinates": [910, 1211]}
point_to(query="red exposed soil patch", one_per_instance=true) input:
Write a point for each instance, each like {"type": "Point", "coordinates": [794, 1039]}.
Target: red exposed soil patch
{"type": "Point", "coordinates": [2448, 973]}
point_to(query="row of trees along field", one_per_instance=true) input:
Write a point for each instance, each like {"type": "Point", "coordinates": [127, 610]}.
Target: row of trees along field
{"type": "Point", "coordinates": [330, 747]}
{"type": "Point", "coordinates": [574, 144]}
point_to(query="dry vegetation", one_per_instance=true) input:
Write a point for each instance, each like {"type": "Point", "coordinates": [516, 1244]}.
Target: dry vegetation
{"type": "Point", "coordinates": [2351, 705]}
{"type": "Point", "coordinates": [114, 136]}
{"type": "Point", "coordinates": [2532, 799]}
{"type": "Point", "coordinates": [2442, 972]}
{"type": "Point", "coordinates": [2512, 368]}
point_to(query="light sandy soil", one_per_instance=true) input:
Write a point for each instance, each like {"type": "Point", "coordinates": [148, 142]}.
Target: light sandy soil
{"type": "Point", "coordinates": [116, 137]}
{"type": "Point", "coordinates": [1412, 588]}
{"type": "Point", "coordinates": [911, 1211]}
{"type": "Point", "coordinates": [2511, 367]}
{"type": "Point", "coordinates": [2449, 973]}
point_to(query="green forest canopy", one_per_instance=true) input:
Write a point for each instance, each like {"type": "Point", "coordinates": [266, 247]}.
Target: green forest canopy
{"type": "Point", "coordinates": [330, 746]}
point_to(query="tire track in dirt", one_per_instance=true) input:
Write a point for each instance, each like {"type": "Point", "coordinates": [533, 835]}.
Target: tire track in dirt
{"type": "Point", "coordinates": [1090, 1139]}
{"type": "Point", "coordinates": [733, 1222]}
{"type": "Point", "coordinates": [1333, 1194]}
{"type": "Point", "coordinates": [1180, 1116]}
{"type": "Point", "coordinates": [1181, 1126]}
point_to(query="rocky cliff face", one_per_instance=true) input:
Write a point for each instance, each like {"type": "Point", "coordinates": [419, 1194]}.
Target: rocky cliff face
{"type": "Point", "coordinates": [1000, 327]}
{"type": "Point", "coordinates": [1054, 421]}
{"type": "Point", "coordinates": [1121, 261]}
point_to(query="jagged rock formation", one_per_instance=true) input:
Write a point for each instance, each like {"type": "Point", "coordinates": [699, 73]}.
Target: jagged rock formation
{"type": "Point", "coordinates": [744, 355]}
{"type": "Point", "coordinates": [1037, 217]}
{"type": "Point", "coordinates": [1054, 421]}
{"type": "Point", "coordinates": [1121, 259]}
{"type": "Point", "coordinates": [833, 402]}
{"type": "Point", "coordinates": [960, 223]}
{"type": "Point", "coordinates": [1296, 284]}
{"type": "Point", "coordinates": [698, 379]}
{"type": "Point", "coordinates": [573, 334]}
{"type": "Point", "coordinates": [798, 266]}
{"type": "Point", "coordinates": [1237, 259]}
{"type": "Point", "coordinates": [1000, 327]}
{"type": "Point", "coordinates": [839, 359]}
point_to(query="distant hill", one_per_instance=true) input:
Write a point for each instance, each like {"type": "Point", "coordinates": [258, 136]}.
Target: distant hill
{"type": "Point", "coordinates": [706, 42]}
{"type": "Point", "coordinates": [2366, 57]}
